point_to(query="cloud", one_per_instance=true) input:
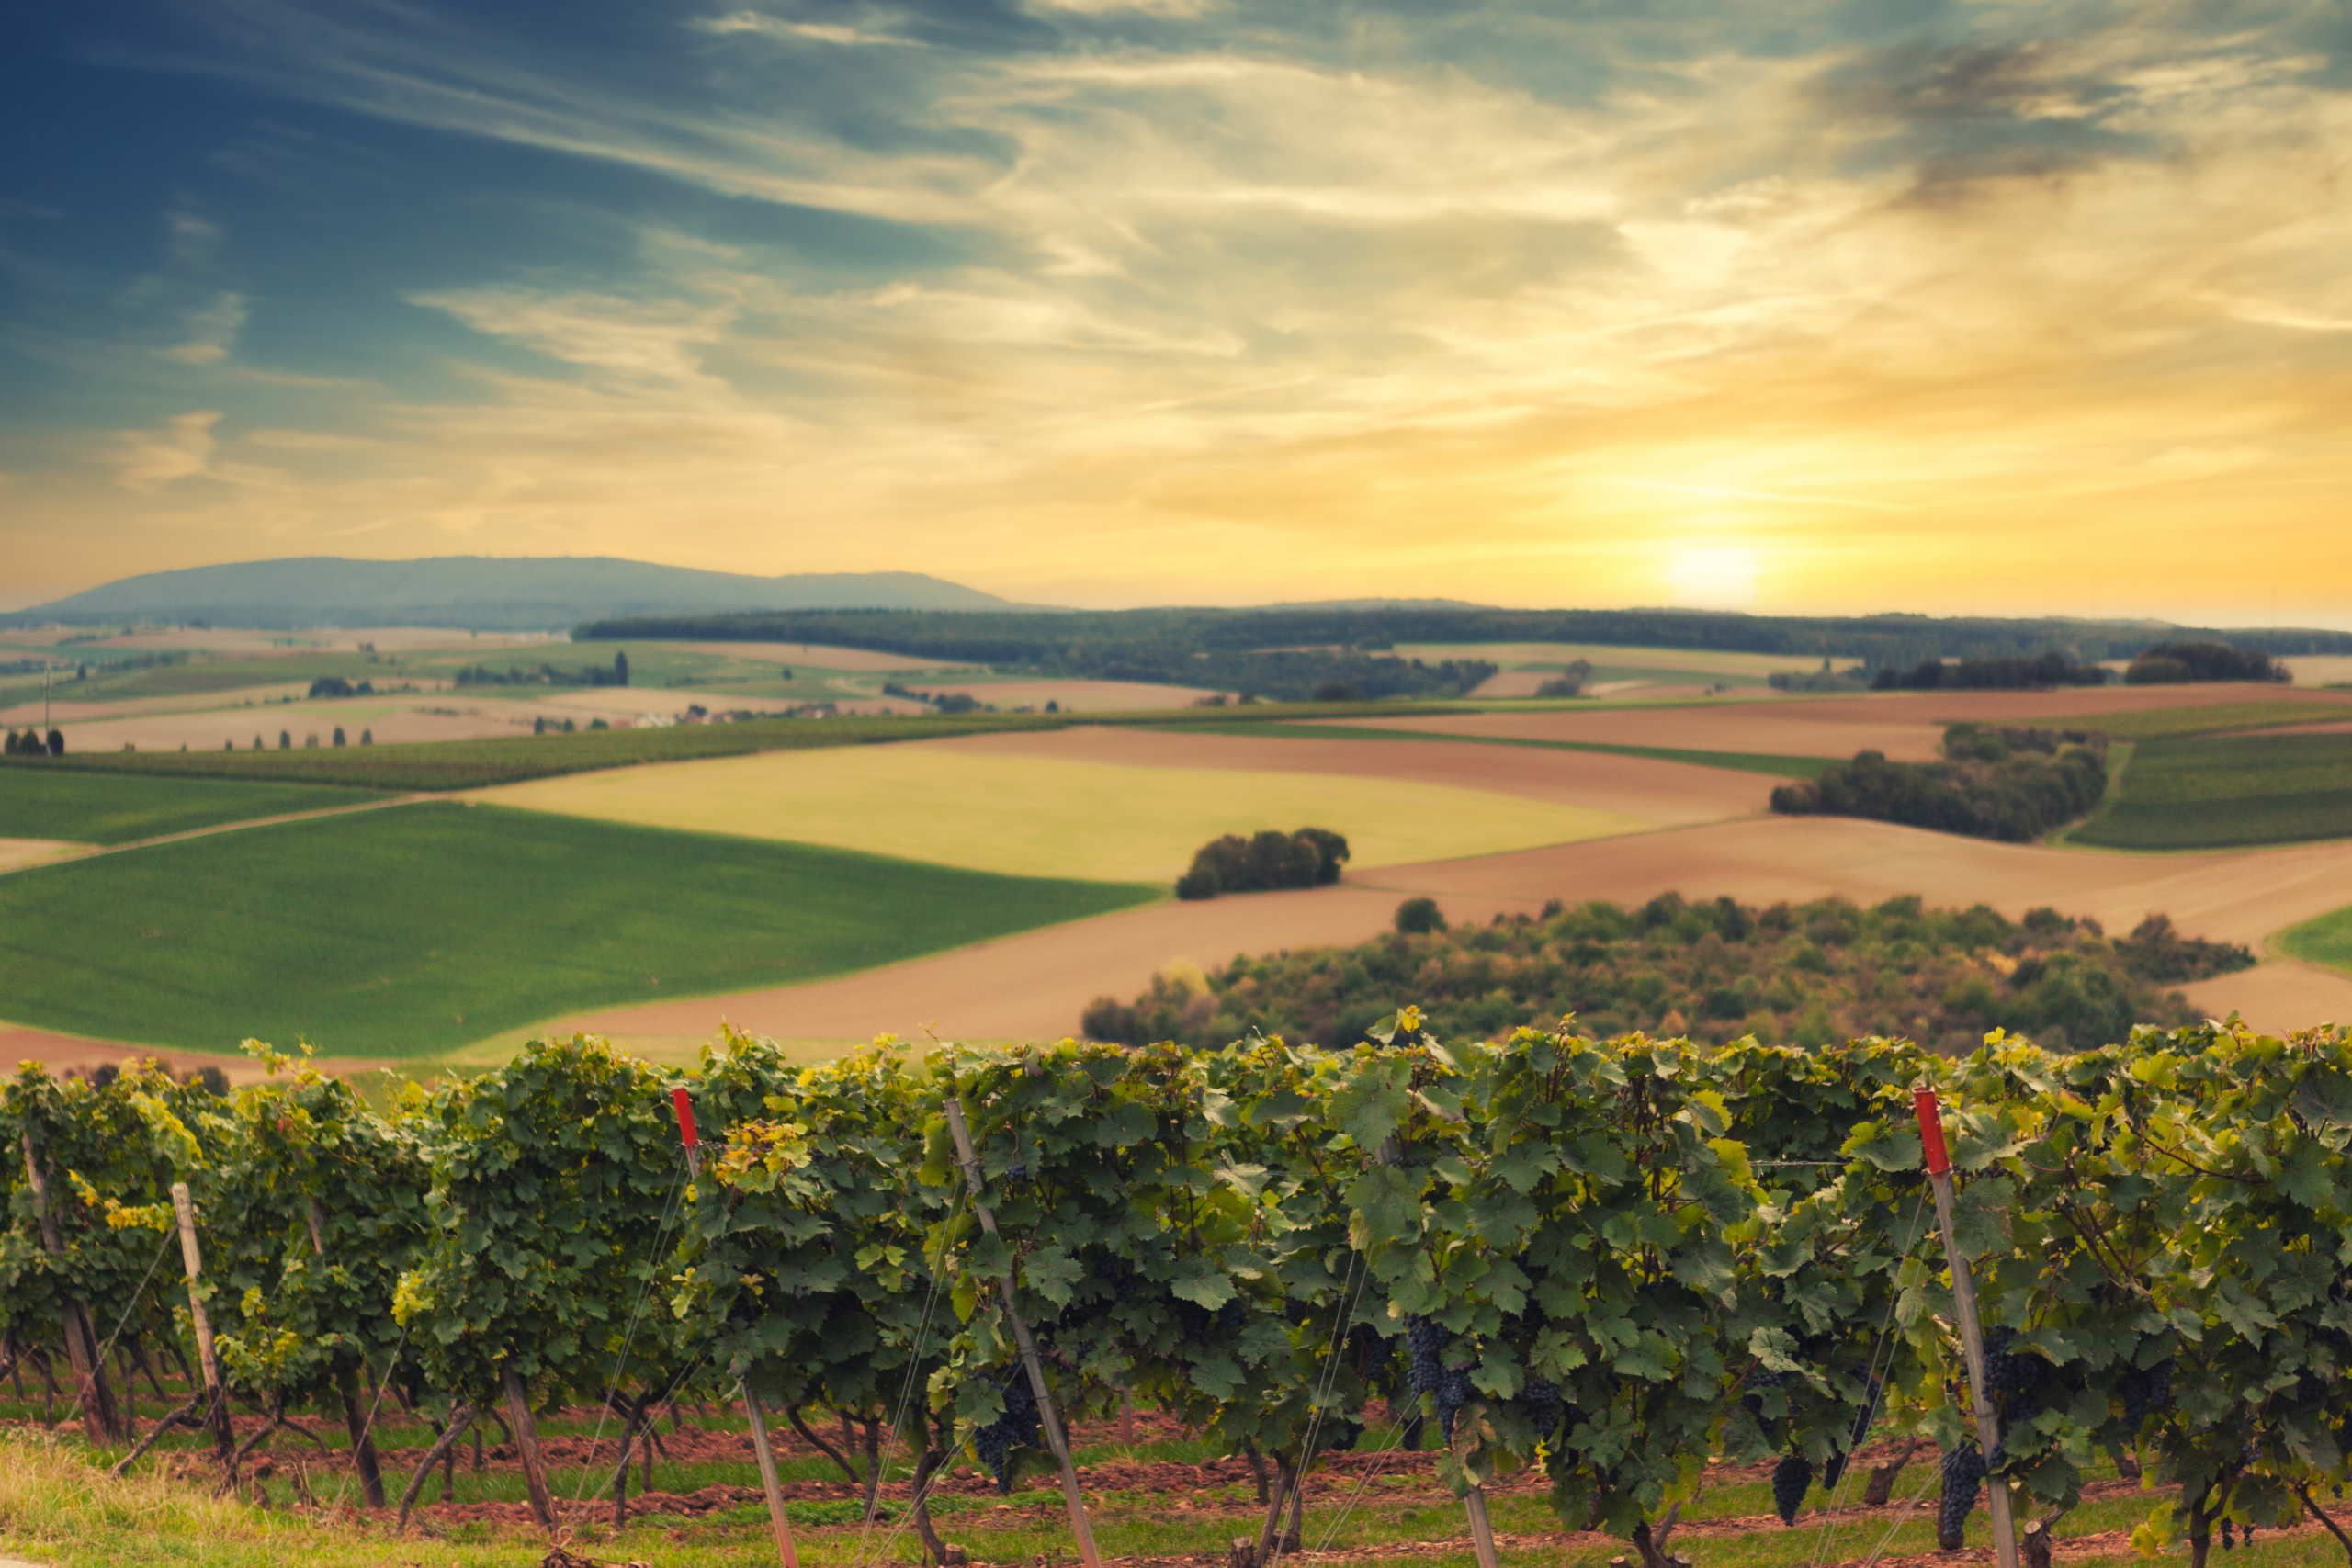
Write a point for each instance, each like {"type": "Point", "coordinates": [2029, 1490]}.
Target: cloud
{"type": "Point", "coordinates": [147, 460]}
{"type": "Point", "coordinates": [212, 329]}
{"type": "Point", "coordinates": [813, 32]}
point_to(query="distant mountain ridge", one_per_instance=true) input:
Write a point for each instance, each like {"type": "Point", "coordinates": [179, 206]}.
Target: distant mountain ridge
{"type": "Point", "coordinates": [485, 593]}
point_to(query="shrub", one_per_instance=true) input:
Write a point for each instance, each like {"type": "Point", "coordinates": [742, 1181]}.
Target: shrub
{"type": "Point", "coordinates": [2053, 668]}
{"type": "Point", "coordinates": [366, 737]}
{"type": "Point", "coordinates": [1419, 917]}
{"type": "Point", "coordinates": [1337, 691]}
{"type": "Point", "coordinates": [338, 736]}
{"type": "Point", "coordinates": [1270, 860]}
{"type": "Point", "coordinates": [285, 740]}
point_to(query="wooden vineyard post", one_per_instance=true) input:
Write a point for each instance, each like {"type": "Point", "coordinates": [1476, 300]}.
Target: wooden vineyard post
{"type": "Point", "coordinates": [762, 1449]}
{"type": "Point", "coordinates": [1482, 1533]}
{"type": "Point", "coordinates": [1046, 1414]}
{"type": "Point", "coordinates": [81, 1336]}
{"type": "Point", "coordinates": [1972, 1332]}
{"type": "Point", "coordinates": [216, 1401]}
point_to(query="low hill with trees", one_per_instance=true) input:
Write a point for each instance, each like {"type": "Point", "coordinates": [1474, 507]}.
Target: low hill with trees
{"type": "Point", "coordinates": [1802, 975]}
{"type": "Point", "coordinates": [2175, 663]}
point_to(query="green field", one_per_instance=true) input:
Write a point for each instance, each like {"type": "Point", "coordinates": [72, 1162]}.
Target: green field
{"type": "Point", "coordinates": [2157, 724]}
{"type": "Point", "coordinates": [2218, 792]}
{"type": "Point", "coordinates": [2327, 939]}
{"type": "Point", "coordinates": [38, 801]}
{"type": "Point", "coordinates": [1740, 762]}
{"type": "Point", "coordinates": [417, 929]}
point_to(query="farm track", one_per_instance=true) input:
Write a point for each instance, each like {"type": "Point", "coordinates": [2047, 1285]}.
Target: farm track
{"type": "Point", "coordinates": [97, 850]}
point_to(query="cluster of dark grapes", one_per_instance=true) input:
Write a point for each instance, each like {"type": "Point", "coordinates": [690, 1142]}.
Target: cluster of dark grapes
{"type": "Point", "coordinates": [2013, 1381]}
{"type": "Point", "coordinates": [2145, 1391]}
{"type": "Point", "coordinates": [1196, 1324]}
{"type": "Point", "coordinates": [1791, 1477]}
{"type": "Point", "coordinates": [1864, 1419]}
{"type": "Point", "coordinates": [1542, 1401]}
{"type": "Point", "coordinates": [1016, 1427]}
{"type": "Point", "coordinates": [1453, 1393]}
{"type": "Point", "coordinates": [1425, 1342]}
{"type": "Point", "coordinates": [1963, 1473]}
{"type": "Point", "coordinates": [1760, 1379]}
{"type": "Point", "coordinates": [2227, 1531]}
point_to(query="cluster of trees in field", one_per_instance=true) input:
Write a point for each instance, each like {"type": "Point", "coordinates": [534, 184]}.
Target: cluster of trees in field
{"type": "Point", "coordinates": [548, 675]}
{"type": "Point", "coordinates": [2173, 663]}
{"type": "Point", "coordinates": [1995, 782]}
{"type": "Point", "coordinates": [1793, 975]}
{"type": "Point", "coordinates": [336, 686]}
{"type": "Point", "coordinates": [2039, 674]}
{"type": "Point", "coordinates": [1623, 1256]}
{"type": "Point", "coordinates": [941, 702]}
{"type": "Point", "coordinates": [1312, 857]}
{"type": "Point", "coordinates": [33, 743]}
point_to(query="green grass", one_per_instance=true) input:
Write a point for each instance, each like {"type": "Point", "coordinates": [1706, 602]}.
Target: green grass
{"type": "Point", "coordinates": [2157, 724]}
{"type": "Point", "coordinates": [2213, 792]}
{"type": "Point", "coordinates": [1740, 762]}
{"type": "Point", "coordinates": [38, 801]}
{"type": "Point", "coordinates": [2327, 940]}
{"type": "Point", "coordinates": [58, 1508]}
{"type": "Point", "coordinates": [416, 929]}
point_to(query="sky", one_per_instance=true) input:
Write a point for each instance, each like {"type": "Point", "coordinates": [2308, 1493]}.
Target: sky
{"type": "Point", "coordinates": [1988, 307]}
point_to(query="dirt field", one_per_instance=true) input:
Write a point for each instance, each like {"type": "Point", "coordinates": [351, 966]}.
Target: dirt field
{"type": "Point", "coordinates": [1906, 725]}
{"type": "Point", "coordinates": [2320, 670]}
{"type": "Point", "coordinates": [1035, 985]}
{"type": "Point", "coordinates": [63, 1052]}
{"type": "Point", "coordinates": [430, 717]}
{"type": "Point", "coordinates": [1662, 793]}
{"type": "Point", "coordinates": [1051, 817]}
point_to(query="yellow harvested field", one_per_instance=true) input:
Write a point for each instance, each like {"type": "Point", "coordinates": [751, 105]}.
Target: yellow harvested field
{"type": "Point", "coordinates": [1075, 697]}
{"type": "Point", "coordinates": [1040, 816]}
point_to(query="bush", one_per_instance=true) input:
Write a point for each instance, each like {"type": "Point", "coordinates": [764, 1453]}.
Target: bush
{"type": "Point", "coordinates": [2173, 663]}
{"type": "Point", "coordinates": [1982, 789]}
{"type": "Point", "coordinates": [1308, 857]}
{"type": "Point", "coordinates": [1419, 917]}
{"type": "Point", "coordinates": [1337, 691]}
{"type": "Point", "coordinates": [1560, 686]}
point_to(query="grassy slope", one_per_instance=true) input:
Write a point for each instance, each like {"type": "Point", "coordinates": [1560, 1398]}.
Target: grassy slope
{"type": "Point", "coordinates": [2211, 791]}
{"type": "Point", "coordinates": [41, 801]}
{"type": "Point", "coordinates": [2327, 939]}
{"type": "Point", "coordinates": [1743, 761]}
{"type": "Point", "coordinates": [2155, 723]}
{"type": "Point", "coordinates": [416, 929]}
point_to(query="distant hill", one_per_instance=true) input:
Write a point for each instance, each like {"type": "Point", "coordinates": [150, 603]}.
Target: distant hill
{"type": "Point", "coordinates": [483, 593]}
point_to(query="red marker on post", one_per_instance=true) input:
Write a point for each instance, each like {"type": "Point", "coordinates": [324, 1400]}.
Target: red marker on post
{"type": "Point", "coordinates": [1972, 1332]}
{"type": "Point", "coordinates": [686, 1110]}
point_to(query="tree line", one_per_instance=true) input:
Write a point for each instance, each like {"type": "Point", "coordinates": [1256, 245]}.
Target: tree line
{"type": "Point", "coordinates": [2010, 783]}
